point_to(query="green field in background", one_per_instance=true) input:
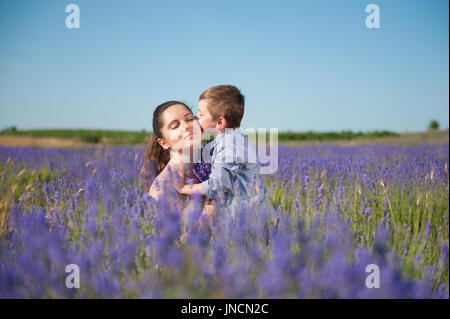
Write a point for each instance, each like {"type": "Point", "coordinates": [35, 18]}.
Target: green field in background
{"type": "Point", "coordinates": [140, 137]}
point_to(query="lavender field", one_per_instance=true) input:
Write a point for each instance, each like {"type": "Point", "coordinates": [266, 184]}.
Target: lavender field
{"type": "Point", "coordinates": [338, 210]}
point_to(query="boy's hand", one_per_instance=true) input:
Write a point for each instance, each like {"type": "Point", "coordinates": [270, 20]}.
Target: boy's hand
{"type": "Point", "coordinates": [192, 189]}
{"type": "Point", "coordinates": [186, 190]}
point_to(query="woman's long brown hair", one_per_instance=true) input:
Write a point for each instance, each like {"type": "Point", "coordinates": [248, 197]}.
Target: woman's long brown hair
{"type": "Point", "coordinates": [156, 157]}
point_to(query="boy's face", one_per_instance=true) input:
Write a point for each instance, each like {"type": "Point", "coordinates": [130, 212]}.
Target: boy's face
{"type": "Point", "coordinates": [204, 117]}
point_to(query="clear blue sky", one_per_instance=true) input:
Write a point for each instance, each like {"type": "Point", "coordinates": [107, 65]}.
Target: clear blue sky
{"type": "Point", "coordinates": [302, 65]}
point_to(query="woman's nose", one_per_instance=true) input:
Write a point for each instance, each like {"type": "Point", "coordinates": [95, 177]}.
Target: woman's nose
{"type": "Point", "coordinates": [188, 126]}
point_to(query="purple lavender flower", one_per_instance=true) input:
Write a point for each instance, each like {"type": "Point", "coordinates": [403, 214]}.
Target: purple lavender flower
{"type": "Point", "coordinates": [127, 244]}
{"type": "Point", "coordinates": [201, 170]}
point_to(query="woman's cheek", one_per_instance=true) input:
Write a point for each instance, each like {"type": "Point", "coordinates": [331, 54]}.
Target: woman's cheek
{"type": "Point", "coordinates": [175, 136]}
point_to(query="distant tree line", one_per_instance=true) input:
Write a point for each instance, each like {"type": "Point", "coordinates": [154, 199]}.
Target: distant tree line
{"type": "Point", "coordinates": [331, 136]}
{"type": "Point", "coordinates": [88, 136]}
{"type": "Point", "coordinates": [140, 137]}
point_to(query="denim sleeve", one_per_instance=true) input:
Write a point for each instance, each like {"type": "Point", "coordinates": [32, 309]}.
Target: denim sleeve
{"type": "Point", "coordinates": [223, 171]}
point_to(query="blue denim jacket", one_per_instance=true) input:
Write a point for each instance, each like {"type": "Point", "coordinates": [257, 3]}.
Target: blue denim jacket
{"type": "Point", "coordinates": [234, 168]}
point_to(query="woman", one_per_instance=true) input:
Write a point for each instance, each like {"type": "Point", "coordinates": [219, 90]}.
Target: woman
{"type": "Point", "coordinates": [170, 153]}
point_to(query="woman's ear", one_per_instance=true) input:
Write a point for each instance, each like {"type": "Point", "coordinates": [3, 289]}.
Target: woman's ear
{"type": "Point", "coordinates": [221, 123]}
{"type": "Point", "coordinates": [163, 144]}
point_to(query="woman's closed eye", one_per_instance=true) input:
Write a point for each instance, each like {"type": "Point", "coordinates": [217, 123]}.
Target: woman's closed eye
{"type": "Point", "coordinates": [189, 117]}
{"type": "Point", "coordinates": [175, 125]}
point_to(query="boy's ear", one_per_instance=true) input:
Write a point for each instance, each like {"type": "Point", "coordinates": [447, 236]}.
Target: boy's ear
{"type": "Point", "coordinates": [221, 123]}
{"type": "Point", "coordinates": [163, 144]}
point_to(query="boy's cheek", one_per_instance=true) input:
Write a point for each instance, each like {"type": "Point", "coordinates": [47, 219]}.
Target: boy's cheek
{"type": "Point", "coordinates": [203, 124]}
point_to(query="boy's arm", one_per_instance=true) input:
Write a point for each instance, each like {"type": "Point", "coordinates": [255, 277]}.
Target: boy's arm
{"type": "Point", "coordinates": [219, 180]}
{"type": "Point", "coordinates": [222, 170]}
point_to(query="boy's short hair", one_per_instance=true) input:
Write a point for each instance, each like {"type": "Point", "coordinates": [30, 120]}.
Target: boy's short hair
{"type": "Point", "coordinates": [225, 101]}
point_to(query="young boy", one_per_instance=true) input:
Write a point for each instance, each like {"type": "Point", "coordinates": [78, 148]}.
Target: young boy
{"type": "Point", "coordinates": [234, 162]}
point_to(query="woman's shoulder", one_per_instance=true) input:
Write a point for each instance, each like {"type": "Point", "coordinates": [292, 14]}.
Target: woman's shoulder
{"type": "Point", "coordinates": [173, 170]}
{"type": "Point", "coordinates": [169, 176]}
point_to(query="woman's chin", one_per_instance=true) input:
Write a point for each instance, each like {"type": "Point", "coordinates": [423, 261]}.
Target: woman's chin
{"type": "Point", "coordinates": [190, 143]}
{"type": "Point", "coordinates": [193, 141]}
{"type": "Point", "coordinates": [187, 146]}
{"type": "Point", "coordinates": [196, 142]}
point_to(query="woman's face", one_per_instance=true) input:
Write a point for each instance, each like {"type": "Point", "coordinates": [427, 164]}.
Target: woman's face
{"type": "Point", "coordinates": [180, 129]}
